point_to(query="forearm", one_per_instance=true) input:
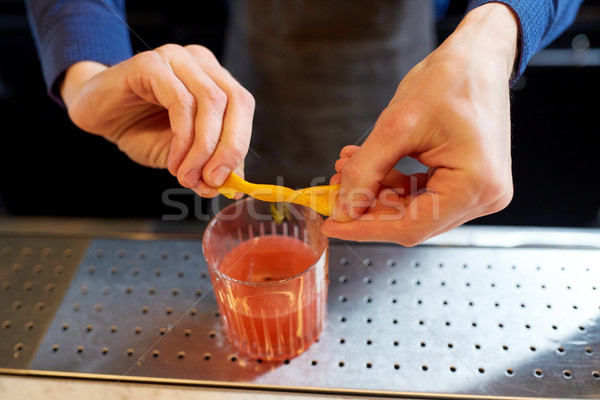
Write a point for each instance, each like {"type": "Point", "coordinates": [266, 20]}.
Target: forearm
{"type": "Point", "coordinates": [69, 32]}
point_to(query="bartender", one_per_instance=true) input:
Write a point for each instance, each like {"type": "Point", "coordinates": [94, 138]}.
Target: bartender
{"type": "Point", "coordinates": [308, 81]}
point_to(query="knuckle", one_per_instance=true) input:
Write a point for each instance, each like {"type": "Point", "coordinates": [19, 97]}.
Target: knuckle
{"type": "Point", "coordinates": [168, 48]}
{"type": "Point", "coordinates": [186, 101]}
{"type": "Point", "coordinates": [237, 154]}
{"type": "Point", "coordinates": [200, 51]}
{"type": "Point", "coordinates": [144, 57]}
{"type": "Point", "coordinates": [215, 97]}
{"type": "Point", "coordinates": [244, 98]}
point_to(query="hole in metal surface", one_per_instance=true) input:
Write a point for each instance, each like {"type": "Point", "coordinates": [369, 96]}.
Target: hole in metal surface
{"type": "Point", "coordinates": [538, 373]}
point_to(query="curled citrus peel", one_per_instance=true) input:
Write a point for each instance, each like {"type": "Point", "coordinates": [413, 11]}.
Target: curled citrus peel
{"type": "Point", "coordinates": [319, 198]}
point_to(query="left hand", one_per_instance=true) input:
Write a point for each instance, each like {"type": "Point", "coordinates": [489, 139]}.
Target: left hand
{"type": "Point", "coordinates": [452, 113]}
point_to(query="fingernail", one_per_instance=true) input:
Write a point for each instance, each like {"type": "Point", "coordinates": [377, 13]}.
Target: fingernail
{"type": "Point", "coordinates": [340, 212]}
{"type": "Point", "coordinates": [219, 175]}
{"type": "Point", "coordinates": [170, 164]}
{"type": "Point", "coordinates": [192, 178]}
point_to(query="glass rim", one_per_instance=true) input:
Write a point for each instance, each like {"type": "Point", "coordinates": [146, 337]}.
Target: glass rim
{"type": "Point", "coordinates": [213, 268]}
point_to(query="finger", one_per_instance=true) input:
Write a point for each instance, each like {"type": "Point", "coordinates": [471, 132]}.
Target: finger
{"type": "Point", "coordinates": [335, 179]}
{"type": "Point", "coordinates": [442, 206]}
{"type": "Point", "coordinates": [167, 90]}
{"type": "Point", "coordinates": [405, 185]}
{"type": "Point", "coordinates": [339, 164]}
{"type": "Point", "coordinates": [364, 171]}
{"type": "Point", "coordinates": [237, 121]}
{"type": "Point", "coordinates": [210, 108]}
{"type": "Point", "coordinates": [348, 151]}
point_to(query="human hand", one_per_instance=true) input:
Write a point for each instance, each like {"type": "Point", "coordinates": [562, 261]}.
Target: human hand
{"type": "Point", "coordinates": [452, 113]}
{"type": "Point", "coordinates": [173, 107]}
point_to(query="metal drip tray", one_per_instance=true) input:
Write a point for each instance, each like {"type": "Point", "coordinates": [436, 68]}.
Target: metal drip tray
{"type": "Point", "coordinates": [427, 321]}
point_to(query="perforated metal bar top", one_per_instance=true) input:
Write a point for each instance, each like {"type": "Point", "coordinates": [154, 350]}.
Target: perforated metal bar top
{"type": "Point", "coordinates": [428, 321]}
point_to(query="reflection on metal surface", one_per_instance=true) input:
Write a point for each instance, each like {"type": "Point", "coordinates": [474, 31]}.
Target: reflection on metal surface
{"type": "Point", "coordinates": [423, 321]}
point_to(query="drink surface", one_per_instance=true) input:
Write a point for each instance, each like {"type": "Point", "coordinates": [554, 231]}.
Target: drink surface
{"type": "Point", "coordinates": [276, 320]}
{"type": "Point", "coordinates": [267, 258]}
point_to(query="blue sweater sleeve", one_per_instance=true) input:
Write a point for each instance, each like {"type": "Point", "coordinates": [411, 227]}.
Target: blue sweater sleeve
{"type": "Point", "coordinates": [68, 31]}
{"type": "Point", "coordinates": [540, 22]}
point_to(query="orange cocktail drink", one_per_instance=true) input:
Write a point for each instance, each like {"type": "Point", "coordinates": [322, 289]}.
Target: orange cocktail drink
{"type": "Point", "coordinates": [269, 277]}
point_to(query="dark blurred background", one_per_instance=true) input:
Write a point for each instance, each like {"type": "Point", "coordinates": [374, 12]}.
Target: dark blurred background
{"type": "Point", "coordinates": [48, 167]}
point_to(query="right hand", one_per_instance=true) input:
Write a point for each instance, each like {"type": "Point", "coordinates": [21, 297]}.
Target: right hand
{"type": "Point", "coordinates": [173, 107]}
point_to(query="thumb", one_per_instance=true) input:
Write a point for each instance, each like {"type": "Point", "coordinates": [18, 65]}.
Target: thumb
{"type": "Point", "coordinates": [363, 172]}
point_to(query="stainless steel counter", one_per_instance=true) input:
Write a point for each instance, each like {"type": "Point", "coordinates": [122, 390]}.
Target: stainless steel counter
{"type": "Point", "coordinates": [478, 312]}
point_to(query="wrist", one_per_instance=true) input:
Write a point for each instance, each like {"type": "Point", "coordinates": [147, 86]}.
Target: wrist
{"type": "Point", "coordinates": [492, 31]}
{"type": "Point", "coordinates": [76, 77]}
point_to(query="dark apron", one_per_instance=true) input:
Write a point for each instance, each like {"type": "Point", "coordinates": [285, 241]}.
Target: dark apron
{"type": "Point", "coordinates": [321, 72]}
